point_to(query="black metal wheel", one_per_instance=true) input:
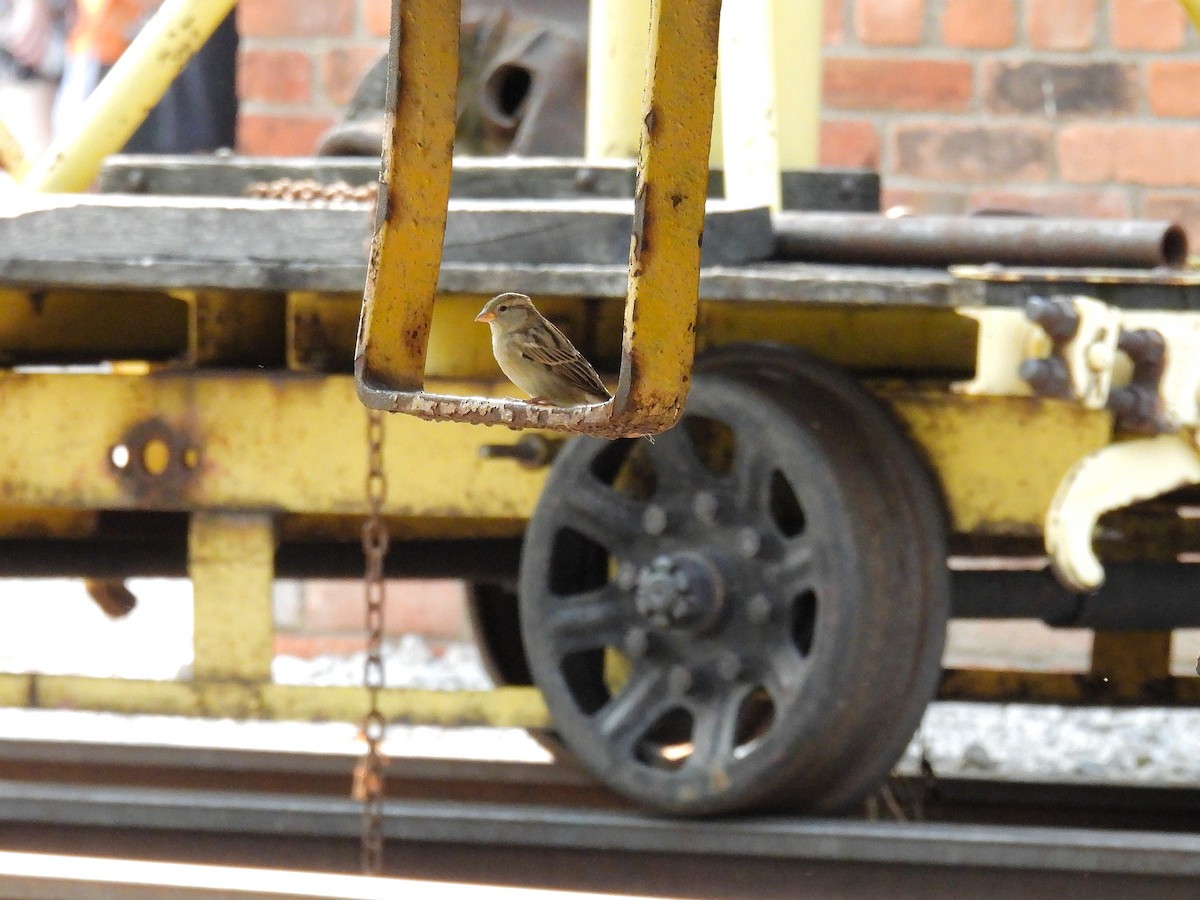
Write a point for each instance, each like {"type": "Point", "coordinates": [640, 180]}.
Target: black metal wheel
{"type": "Point", "coordinates": [748, 611]}
{"type": "Point", "coordinates": [493, 620]}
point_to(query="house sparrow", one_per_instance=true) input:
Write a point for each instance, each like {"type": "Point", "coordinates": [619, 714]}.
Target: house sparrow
{"type": "Point", "coordinates": [536, 356]}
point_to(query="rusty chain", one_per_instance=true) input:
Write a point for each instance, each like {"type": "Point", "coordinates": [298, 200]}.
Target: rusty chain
{"type": "Point", "coordinates": [309, 190]}
{"type": "Point", "coordinates": [368, 774]}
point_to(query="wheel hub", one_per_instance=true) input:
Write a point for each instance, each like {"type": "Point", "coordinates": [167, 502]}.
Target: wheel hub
{"type": "Point", "coordinates": [683, 591]}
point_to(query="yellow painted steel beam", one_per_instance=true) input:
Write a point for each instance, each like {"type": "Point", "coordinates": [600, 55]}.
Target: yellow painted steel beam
{"type": "Point", "coordinates": [281, 442]}
{"type": "Point", "coordinates": [410, 219]}
{"type": "Point", "coordinates": [664, 257]}
{"type": "Point", "coordinates": [120, 103]}
{"type": "Point", "coordinates": [231, 561]}
{"type": "Point", "coordinates": [970, 442]}
{"type": "Point", "coordinates": [509, 707]}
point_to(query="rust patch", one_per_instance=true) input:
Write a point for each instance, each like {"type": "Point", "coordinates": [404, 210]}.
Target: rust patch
{"type": "Point", "coordinates": [155, 463]}
{"type": "Point", "coordinates": [638, 246]}
{"type": "Point", "coordinates": [650, 121]}
{"type": "Point", "coordinates": [311, 344]}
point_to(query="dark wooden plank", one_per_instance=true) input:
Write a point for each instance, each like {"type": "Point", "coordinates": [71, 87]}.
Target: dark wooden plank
{"type": "Point", "coordinates": [125, 231]}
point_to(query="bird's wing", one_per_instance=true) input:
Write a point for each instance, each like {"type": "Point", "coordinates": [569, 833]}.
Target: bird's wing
{"type": "Point", "coordinates": [563, 359]}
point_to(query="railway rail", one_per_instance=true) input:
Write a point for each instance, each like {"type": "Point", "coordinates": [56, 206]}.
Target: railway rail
{"type": "Point", "coordinates": [550, 826]}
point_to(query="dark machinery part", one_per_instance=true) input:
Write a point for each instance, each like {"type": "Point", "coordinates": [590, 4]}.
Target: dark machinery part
{"type": "Point", "coordinates": [521, 86]}
{"type": "Point", "coordinates": [692, 607]}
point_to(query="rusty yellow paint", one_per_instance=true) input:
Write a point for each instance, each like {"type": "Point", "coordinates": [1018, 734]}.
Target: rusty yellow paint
{"type": "Point", "coordinates": [70, 325]}
{"type": "Point", "coordinates": [286, 443]}
{"type": "Point", "coordinates": [233, 328]}
{"type": "Point", "coordinates": [999, 459]}
{"type": "Point", "coordinates": [231, 563]}
{"type": "Point", "coordinates": [115, 109]}
{"type": "Point", "coordinates": [913, 339]}
{"type": "Point", "coordinates": [291, 443]}
{"type": "Point", "coordinates": [664, 257]}
{"type": "Point", "coordinates": [415, 191]}
{"type": "Point", "coordinates": [509, 707]}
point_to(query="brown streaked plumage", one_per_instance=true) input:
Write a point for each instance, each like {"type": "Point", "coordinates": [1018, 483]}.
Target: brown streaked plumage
{"type": "Point", "coordinates": [537, 357]}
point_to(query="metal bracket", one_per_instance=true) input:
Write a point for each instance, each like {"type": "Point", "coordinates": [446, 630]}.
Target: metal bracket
{"type": "Point", "coordinates": [1143, 367]}
{"type": "Point", "coordinates": [664, 257]}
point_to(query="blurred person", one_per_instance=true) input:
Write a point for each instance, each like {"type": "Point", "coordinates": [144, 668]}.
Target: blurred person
{"type": "Point", "coordinates": [199, 110]}
{"type": "Point", "coordinates": [32, 44]}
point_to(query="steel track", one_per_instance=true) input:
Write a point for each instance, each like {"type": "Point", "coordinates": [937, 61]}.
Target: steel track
{"type": "Point", "coordinates": [550, 826]}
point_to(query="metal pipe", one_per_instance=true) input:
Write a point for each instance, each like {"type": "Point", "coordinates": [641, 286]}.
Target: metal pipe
{"type": "Point", "coordinates": [121, 102]}
{"type": "Point", "coordinates": [872, 239]}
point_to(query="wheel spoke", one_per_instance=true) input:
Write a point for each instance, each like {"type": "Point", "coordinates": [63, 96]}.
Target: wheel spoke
{"type": "Point", "coordinates": [785, 672]}
{"type": "Point", "coordinates": [631, 713]}
{"type": "Point", "coordinates": [603, 515]}
{"type": "Point", "coordinates": [586, 620]}
{"type": "Point", "coordinates": [794, 572]}
{"type": "Point", "coordinates": [677, 464]}
{"type": "Point", "coordinates": [752, 475]}
{"type": "Point", "coordinates": [716, 728]}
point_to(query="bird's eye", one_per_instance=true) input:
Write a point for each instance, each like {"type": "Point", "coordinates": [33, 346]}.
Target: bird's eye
{"type": "Point", "coordinates": [503, 309]}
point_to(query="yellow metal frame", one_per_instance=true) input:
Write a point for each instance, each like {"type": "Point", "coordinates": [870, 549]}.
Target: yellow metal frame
{"type": "Point", "coordinates": [120, 103]}
{"type": "Point", "coordinates": [664, 257]}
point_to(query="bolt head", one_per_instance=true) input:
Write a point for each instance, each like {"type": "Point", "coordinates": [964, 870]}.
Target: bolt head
{"type": "Point", "coordinates": [758, 609]}
{"type": "Point", "coordinates": [637, 642]}
{"type": "Point", "coordinates": [680, 681]}
{"type": "Point", "coordinates": [654, 520]}
{"type": "Point", "coordinates": [729, 667]}
{"type": "Point", "coordinates": [626, 576]}
{"type": "Point", "coordinates": [749, 542]}
{"type": "Point", "coordinates": [1100, 357]}
{"type": "Point", "coordinates": [705, 505]}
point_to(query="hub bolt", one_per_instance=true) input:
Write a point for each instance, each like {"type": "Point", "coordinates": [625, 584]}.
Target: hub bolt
{"type": "Point", "coordinates": [637, 642]}
{"type": "Point", "coordinates": [679, 681]}
{"type": "Point", "coordinates": [729, 666]}
{"type": "Point", "coordinates": [705, 506]}
{"type": "Point", "coordinates": [758, 609]}
{"type": "Point", "coordinates": [654, 519]}
{"type": "Point", "coordinates": [749, 543]}
{"type": "Point", "coordinates": [626, 576]}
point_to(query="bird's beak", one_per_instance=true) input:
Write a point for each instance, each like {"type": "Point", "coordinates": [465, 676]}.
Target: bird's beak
{"type": "Point", "coordinates": [486, 316]}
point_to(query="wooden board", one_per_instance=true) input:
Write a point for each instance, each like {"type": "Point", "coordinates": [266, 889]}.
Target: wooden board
{"type": "Point", "coordinates": [118, 233]}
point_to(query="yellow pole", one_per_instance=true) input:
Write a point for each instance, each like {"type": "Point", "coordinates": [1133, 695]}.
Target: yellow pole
{"type": "Point", "coordinates": [770, 88]}
{"type": "Point", "coordinates": [122, 100]}
{"type": "Point", "coordinates": [1192, 7]}
{"type": "Point", "coordinates": [618, 44]}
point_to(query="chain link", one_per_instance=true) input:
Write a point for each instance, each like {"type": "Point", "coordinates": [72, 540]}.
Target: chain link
{"type": "Point", "coordinates": [368, 774]}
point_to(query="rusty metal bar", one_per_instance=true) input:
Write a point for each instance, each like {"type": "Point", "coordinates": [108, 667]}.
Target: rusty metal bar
{"type": "Point", "coordinates": [948, 240]}
{"type": "Point", "coordinates": [664, 258]}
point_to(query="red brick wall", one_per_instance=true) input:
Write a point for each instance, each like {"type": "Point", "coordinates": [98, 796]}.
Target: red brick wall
{"type": "Point", "coordinates": [1060, 106]}
{"type": "Point", "coordinates": [1064, 107]}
